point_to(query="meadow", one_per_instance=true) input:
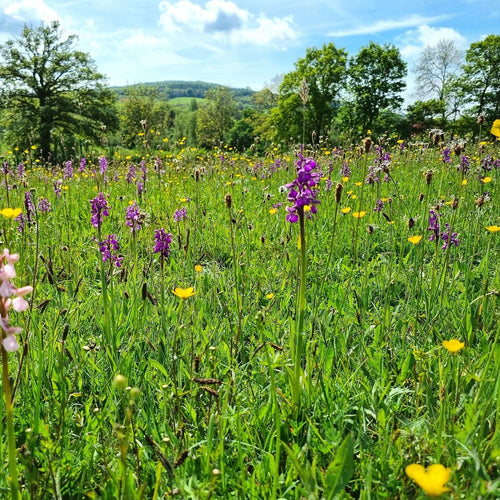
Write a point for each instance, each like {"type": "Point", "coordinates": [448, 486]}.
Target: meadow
{"type": "Point", "coordinates": [309, 323]}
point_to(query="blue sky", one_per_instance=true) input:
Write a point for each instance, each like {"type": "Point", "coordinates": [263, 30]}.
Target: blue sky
{"type": "Point", "coordinates": [244, 43]}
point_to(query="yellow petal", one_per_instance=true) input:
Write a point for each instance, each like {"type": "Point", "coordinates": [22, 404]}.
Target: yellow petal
{"type": "Point", "coordinates": [453, 345]}
{"type": "Point", "coordinates": [415, 239]}
{"type": "Point", "coordinates": [10, 213]}
{"type": "Point", "coordinates": [493, 229]}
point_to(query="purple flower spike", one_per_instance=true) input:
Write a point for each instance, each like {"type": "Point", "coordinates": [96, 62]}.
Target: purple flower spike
{"type": "Point", "coordinates": [301, 191]}
{"type": "Point", "coordinates": [99, 210]}
{"type": "Point", "coordinates": [162, 243]}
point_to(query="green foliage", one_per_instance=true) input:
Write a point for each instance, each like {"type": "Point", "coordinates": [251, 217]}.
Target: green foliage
{"type": "Point", "coordinates": [50, 89]}
{"type": "Point", "coordinates": [376, 80]}
{"type": "Point", "coordinates": [144, 117]}
{"type": "Point", "coordinates": [203, 408]}
{"type": "Point", "coordinates": [216, 117]}
{"type": "Point", "coordinates": [427, 113]}
{"type": "Point", "coordinates": [324, 72]}
{"type": "Point", "coordinates": [480, 79]}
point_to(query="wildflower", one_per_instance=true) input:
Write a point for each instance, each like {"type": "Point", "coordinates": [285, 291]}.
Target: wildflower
{"type": "Point", "coordinates": [434, 225]}
{"type": "Point", "coordinates": [301, 191]}
{"type": "Point", "coordinates": [19, 304]}
{"type": "Point", "coordinates": [11, 213]}
{"type": "Point", "coordinates": [415, 240]}
{"type": "Point", "coordinates": [379, 205]}
{"type": "Point", "coordinates": [131, 174]}
{"type": "Point", "coordinates": [184, 293]}
{"type": "Point", "coordinates": [83, 162]}
{"type": "Point", "coordinates": [163, 241]}
{"type": "Point", "coordinates": [103, 164]}
{"type": "Point", "coordinates": [99, 210]}
{"type": "Point", "coordinates": [485, 180]}
{"type": "Point", "coordinates": [345, 171]}
{"type": "Point", "coordinates": [432, 479]}
{"type": "Point", "coordinates": [493, 229]}
{"type": "Point", "coordinates": [133, 217]}
{"type": "Point", "coordinates": [58, 188]}
{"type": "Point", "coordinates": [198, 268]}
{"type": "Point", "coordinates": [495, 129]}
{"type": "Point", "coordinates": [345, 210]}
{"type": "Point", "coordinates": [109, 248]}
{"type": "Point", "coordinates": [448, 238]}
{"type": "Point", "coordinates": [269, 296]}
{"type": "Point", "coordinates": [453, 345]}
{"type": "Point", "coordinates": [445, 155]}
{"type": "Point", "coordinates": [20, 170]}
{"type": "Point", "coordinates": [44, 205]}
{"type": "Point", "coordinates": [29, 207]}
{"type": "Point", "coordinates": [463, 166]}
{"type": "Point", "coordinates": [68, 169]}
{"type": "Point", "coordinates": [359, 215]}
{"type": "Point", "coordinates": [180, 214]}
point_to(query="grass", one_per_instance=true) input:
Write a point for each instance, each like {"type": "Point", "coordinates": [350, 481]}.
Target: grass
{"type": "Point", "coordinates": [125, 390]}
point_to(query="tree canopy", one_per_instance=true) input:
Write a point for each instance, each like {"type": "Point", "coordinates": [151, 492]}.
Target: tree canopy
{"type": "Point", "coordinates": [48, 89]}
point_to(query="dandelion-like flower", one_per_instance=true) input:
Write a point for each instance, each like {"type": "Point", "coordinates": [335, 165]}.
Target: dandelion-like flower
{"type": "Point", "coordinates": [184, 293]}
{"type": "Point", "coordinates": [493, 229]}
{"type": "Point", "coordinates": [432, 479]}
{"type": "Point", "coordinates": [163, 241]}
{"type": "Point", "coordinates": [415, 240]}
{"type": "Point", "coordinates": [453, 345]}
{"type": "Point", "coordinates": [301, 191]}
{"type": "Point", "coordinates": [98, 210]}
{"type": "Point", "coordinates": [18, 303]}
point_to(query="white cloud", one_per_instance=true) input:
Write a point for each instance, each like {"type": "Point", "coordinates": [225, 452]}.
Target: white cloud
{"type": "Point", "coordinates": [222, 20]}
{"type": "Point", "coordinates": [387, 25]}
{"type": "Point", "coordinates": [29, 10]}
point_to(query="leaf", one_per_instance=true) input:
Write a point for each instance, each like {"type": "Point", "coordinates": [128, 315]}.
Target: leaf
{"type": "Point", "coordinates": [339, 472]}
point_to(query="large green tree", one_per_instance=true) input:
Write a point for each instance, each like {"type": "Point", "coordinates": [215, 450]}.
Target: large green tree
{"type": "Point", "coordinates": [376, 80]}
{"type": "Point", "coordinates": [480, 79]}
{"type": "Point", "coordinates": [309, 96]}
{"type": "Point", "coordinates": [216, 116]}
{"type": "Point", "coordinates": [48, 88]}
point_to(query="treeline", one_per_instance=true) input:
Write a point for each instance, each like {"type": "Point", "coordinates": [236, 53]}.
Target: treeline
{"type": "Point", "coordinates": [170, 89]}
{"type": "Point", "coordinates": [53, 99]}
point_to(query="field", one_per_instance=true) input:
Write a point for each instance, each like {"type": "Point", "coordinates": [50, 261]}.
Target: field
{"type": "Point", "coordinates": [187, 336]}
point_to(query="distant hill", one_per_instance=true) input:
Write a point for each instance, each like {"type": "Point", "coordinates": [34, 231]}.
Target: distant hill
{"type": "Point", "coordinates": [172, 89]}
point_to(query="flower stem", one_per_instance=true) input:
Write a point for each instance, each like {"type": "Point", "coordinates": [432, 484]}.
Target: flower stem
{"type": "Point", "coordinates": [11, 438]}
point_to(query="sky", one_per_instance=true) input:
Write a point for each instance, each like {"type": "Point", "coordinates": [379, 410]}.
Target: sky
{"type": "Point", "coordinates": [244, 43]}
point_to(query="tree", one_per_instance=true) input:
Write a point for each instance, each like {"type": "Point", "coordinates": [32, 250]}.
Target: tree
{"type": "Point", "coordinates": [376, 80]}
{"type": "Point", "coordinates": [144, 116]}
{"type": "Point", "coordinates": [216, 116]}
{"type": "Point", "coordinates": [435, 69]}
{"type": "Point", "coordinates": [480, 79]}
{"type": "Point", "coordinates": [324, 72]}
{"type": "Point", "coordinates": [50, 88]}
{"type": "Point", "coordinates": [425, 114]}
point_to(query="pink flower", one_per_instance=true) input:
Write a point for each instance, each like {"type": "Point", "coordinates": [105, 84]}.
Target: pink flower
{"type": "Point", "coordinates": [18, 303]}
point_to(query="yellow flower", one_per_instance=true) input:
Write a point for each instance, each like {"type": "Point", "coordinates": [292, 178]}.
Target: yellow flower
{"type": "Point", "coordinates": [464, 182]}
{"type": "Point", "coordinates": [432, 479]}
{"type": "Point", "coordinates": [495, 129]}
{"type": "Point", "coordinates": [358, 215]}
{"type": "Point", "coordinates": [198, 268]}
{"type": "Point", "coordinates": [453, 345]}
{"type": "Point", "coordinates": [345, 210]}
{"type": "Point", "coordinates": [11, 213]}
{"type": "Point", "coordinates": [486, 180]}
{"type": "Point", "coordinates": [272, 211]}
{"type": "Point", "coordinates": [307, 208]}
{"type": "Point", "coordinates": [269, 296]}
{"type": "Point", "coordinates": [493, 229]}
{"type": "Point", "coordinates": [345, 179]}
{"type": "Point", "coordinates": [415, 239]}
{"type": "Point", "coordinates": [184, 293]}
{"type": "Point", "coordinates": [358, 184]}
